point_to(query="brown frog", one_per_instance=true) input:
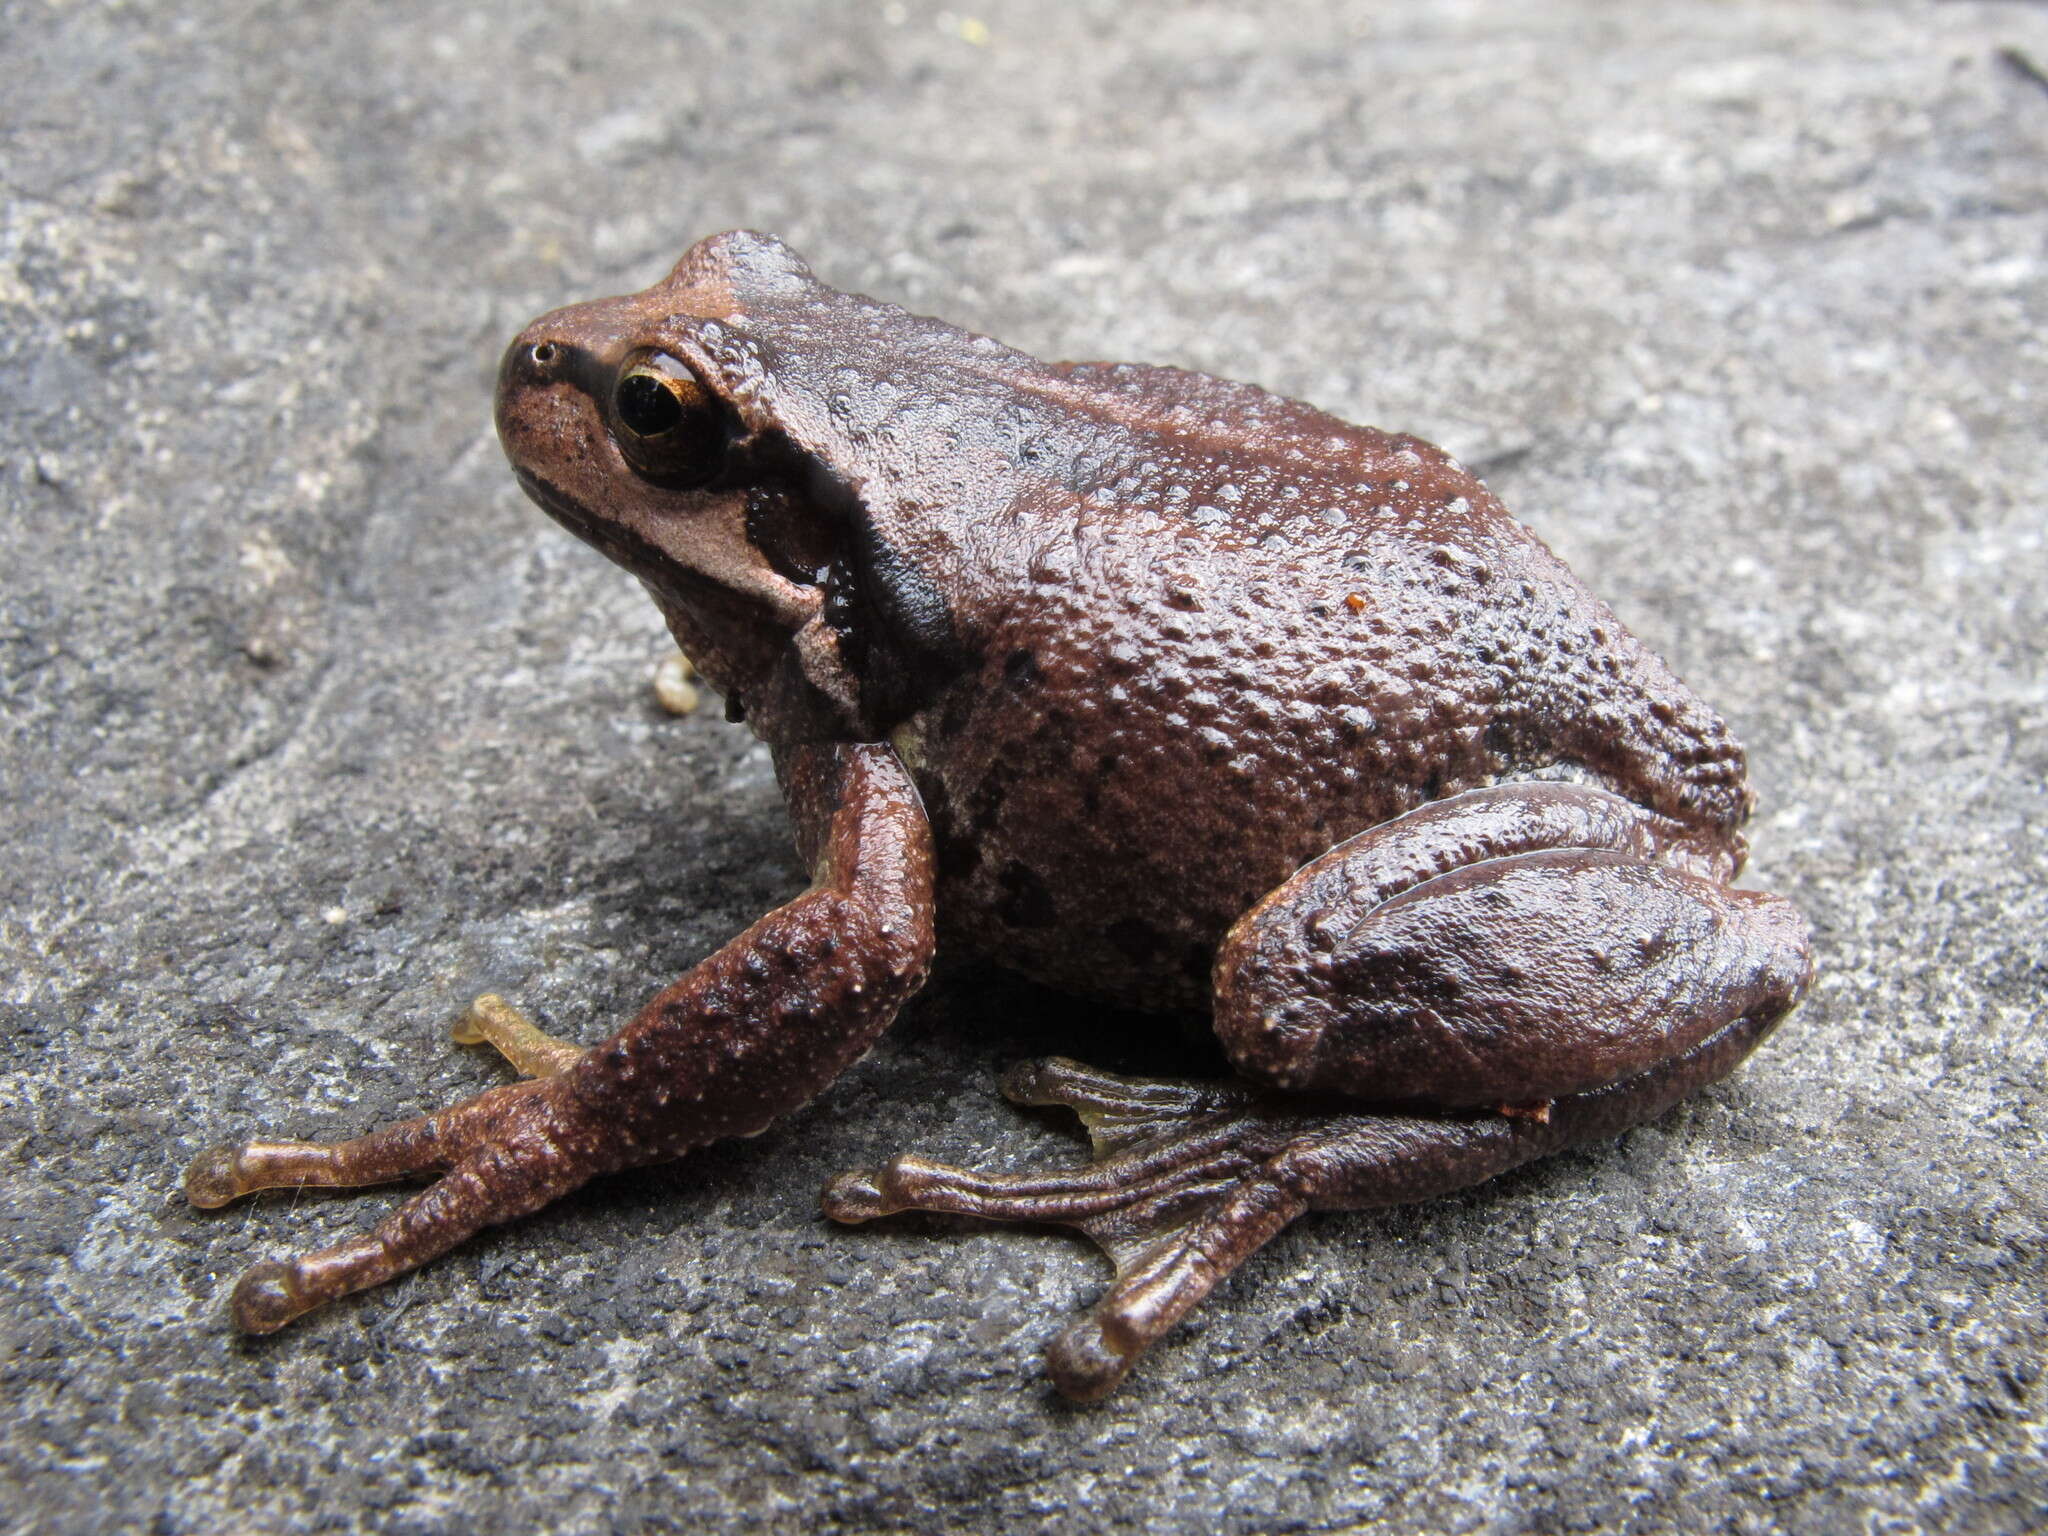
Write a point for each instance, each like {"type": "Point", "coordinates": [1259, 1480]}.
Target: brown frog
{"type": "Point", "coordinates": [1157, 688]}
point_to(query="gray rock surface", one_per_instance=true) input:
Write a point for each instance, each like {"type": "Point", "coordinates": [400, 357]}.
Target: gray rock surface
{"type": "Point", "coordinates": [313, 729]}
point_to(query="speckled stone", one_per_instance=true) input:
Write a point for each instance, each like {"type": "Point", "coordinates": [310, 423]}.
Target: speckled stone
{"type": "Point", "coordinates": [313, 729]}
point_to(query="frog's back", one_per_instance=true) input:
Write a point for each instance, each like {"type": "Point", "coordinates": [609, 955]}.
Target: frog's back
{"type": "Point", "coordinates": [1218, 632]}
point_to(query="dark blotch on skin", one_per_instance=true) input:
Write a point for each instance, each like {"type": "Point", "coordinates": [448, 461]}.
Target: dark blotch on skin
{"type": "Point", "coordinates": [1027, 900]}
{"type": "Point", "coordinates": [1140, 942]}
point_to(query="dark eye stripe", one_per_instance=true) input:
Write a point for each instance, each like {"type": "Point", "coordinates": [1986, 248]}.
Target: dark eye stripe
{"type": "Point", "coordinates": [554, 361]}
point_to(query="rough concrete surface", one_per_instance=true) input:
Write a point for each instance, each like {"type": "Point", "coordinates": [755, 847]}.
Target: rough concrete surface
{"type": "Point", "coordinates": [314, 729]}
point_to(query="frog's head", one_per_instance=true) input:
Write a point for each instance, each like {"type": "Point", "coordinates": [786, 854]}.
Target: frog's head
{"type": "Point", "coordinates": [688, 432]}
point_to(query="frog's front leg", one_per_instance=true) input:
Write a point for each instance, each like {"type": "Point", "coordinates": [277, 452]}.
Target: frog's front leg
{"type": "Point", "coordinates": [751, 1033]}
{"type": "Point", "coordinates": [1486, 980]}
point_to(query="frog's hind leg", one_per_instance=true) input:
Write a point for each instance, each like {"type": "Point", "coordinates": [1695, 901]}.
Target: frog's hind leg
{"type": "Point", "coordinates": [1540, 964]}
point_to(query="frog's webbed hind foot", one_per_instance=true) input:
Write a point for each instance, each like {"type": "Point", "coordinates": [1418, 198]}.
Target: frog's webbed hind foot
{"type": "Point", "coordinates": [1119, 1112]}
{"type": "Point", "coordinates": [1191, 1179]}
{"type": "Point", "coordinates": [1183, 1189]}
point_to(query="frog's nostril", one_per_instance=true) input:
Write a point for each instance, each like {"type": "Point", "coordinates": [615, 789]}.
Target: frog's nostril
{"type": "Point", "coordinates": [545, 354]}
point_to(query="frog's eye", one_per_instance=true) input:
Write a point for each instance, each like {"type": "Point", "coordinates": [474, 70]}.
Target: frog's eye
{"type": "Point", "coordinates": [668, 425]}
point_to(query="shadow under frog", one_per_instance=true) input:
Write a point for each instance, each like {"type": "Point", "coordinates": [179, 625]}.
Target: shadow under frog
{"type": "Point", "coordinates": [1159, 689]}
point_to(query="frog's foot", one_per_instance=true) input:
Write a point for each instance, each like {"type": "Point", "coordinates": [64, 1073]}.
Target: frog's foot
{"type": "Point", "coordinates": [476, 1146]}
{"type": "Point", "coordinates": [499, 1155]}
{"type": "Point", "coordinates": [1192, 1179]}
{"type": "Point", "coordinates": [1184, 1188]}
{"type": "Point", "coordinates": [531, 1050]}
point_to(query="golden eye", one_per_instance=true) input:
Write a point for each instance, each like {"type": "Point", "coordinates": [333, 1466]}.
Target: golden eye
{"type": "Point", "coordinates": [670, 427]}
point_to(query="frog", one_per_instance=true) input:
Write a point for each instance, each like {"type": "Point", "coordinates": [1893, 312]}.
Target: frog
{"type": "Point", "coordinates": [1167, 692]}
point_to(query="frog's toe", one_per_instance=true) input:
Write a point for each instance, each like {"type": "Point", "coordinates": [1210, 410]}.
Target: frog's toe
{"type": "Point", "coordinates": [214, 1178]}
{"type": "Point", "coordinates": [1082, 1363]}
{"type": "Point", "coordinates": [1175, 1216]}
{"type": "Point", "coordinates": [267, 1297]}
{"type": "Point", "coordinates": [1065, 1081]}
{"type": "Point", "coordinates": [533, 1052]}
{"type": "Point", "coordinates": [1116, 1111]}
{"type": "Point", "coordinates": [1166, 1263]}
{"type": "Point", "coordinates": [223, 1174]}
{"type": "Point", "coordinates": [511, 1170]}
{"type": "Point", "coordinates": [912, 1183]}
{"type": "Point", "coordinates": [857, 1196]}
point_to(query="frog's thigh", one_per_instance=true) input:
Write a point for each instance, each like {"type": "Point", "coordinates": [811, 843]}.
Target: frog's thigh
{"type": "Point", "coordinates": [1515, 976]}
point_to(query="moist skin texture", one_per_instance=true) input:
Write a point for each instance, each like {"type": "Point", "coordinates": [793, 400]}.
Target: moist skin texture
{"type": "Point", "coordinates": [1161, 689]}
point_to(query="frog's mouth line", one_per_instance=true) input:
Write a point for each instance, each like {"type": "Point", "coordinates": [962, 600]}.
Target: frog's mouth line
{"type": "Point", "coordinates": [552, 501]}
{"type": "Point", "coordinates": [616, 543]}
